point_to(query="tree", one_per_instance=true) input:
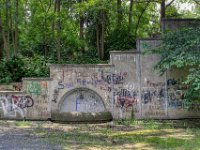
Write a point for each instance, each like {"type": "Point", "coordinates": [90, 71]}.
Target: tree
{"type": "Point", "coordinates": [181, 49]}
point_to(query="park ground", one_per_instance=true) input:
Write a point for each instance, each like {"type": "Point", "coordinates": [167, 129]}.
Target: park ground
{"type": "Point", "coordinates": [117, 135]}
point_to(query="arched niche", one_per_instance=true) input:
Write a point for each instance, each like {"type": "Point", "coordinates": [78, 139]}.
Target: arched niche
{"type": "Point", "coordinates": [81, 105]}
{"type": "Point", "coordinates": [81, 100]}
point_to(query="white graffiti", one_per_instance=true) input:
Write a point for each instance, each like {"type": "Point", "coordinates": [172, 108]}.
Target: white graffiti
{"type": "Point", "coordinates": [15, 106]}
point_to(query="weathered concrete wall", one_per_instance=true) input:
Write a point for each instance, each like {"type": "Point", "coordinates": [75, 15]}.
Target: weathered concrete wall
{"type": "Point", "coordinates": [174, 24]}
{"type": "Point", "coordinates": [126, 79]}
{"type": "Point", "coordinates": [15, 105]}
{"type": "Point", "coordinates": [177, 106]}
{"type": "Point", "coordinates": [162, 96]}
{"type": "Point", "coordinates": [80, 88]}
{"type": "Point", "coordinates": [153, 87]}
{"type": "Point", "coordinates": [11, 87]}
{"type": "Point", "coordinates": [38, 89]}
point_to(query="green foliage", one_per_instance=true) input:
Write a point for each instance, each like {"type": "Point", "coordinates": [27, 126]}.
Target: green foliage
{"type": "Point", "coordinates": [14, 68]}
{"type": "Point", "coordinates": [120, 39]}
{"type": "Point", "coordinates": [11, 69]}
{"type": "Point", "coordinates": [181, 49]}
{"type": "Point", "coordinates": [36, 66]}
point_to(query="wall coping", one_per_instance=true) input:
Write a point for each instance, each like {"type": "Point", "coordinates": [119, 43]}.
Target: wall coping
{"type": "Point", "coordinates": [149, 39]}
{"type": "Point", "coordinates": [132, 51]}
{"type": "Point", "coordinates": [37, 79]}
{"type": "Point", "coordinates": [81, 65]}
{"type": "Point", "coordinates": [180, 19]}
{"type": "Point", "coordinates": [15, 92]}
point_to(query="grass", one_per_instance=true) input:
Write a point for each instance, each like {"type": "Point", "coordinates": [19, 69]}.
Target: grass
{"type": "Point", "coordinates": [123, 134]}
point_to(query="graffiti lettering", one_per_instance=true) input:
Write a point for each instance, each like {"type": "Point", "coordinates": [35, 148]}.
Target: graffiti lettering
{"type": "Point", "coordinates": [115, 78]}
{"type": "Point", "coordinates": [153, 94]}
{"type": "Point", "coordinates": [11, 106]}
{"type": "Point", "coordinates": [22, 101]}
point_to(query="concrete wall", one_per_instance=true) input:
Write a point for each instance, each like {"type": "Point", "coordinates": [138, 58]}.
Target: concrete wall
{"type": "Point", "coordinates": [80, 88]}
{"type": "Point", "coordinates": [127, 87]}
{"type": "Point", "coordinates": [177, 23]}
{"type": "Point", "coordinates": [126, 82]}
{"type": "Point", "coordinates": [153, 87]}
{"type": "Point", "coordinates": [15, 105]}
{"type": "Point", "coordinates": [38, 89]}
{"type": "Point", "coordinates": [162, 96]}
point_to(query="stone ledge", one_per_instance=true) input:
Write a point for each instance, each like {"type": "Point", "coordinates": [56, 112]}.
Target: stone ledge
{"type": "Point", "coordinates": [81, 116]}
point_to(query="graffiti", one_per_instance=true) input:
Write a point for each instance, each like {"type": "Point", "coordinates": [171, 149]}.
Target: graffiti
{"type": "Point", "coordinates": [175, 90]}
{"type": "Point", "coordinates": [145, 46]}
{"type": "Point", "coordinates": [17, 87]}
{"type": "Point", "coordinates": [106, 88]}
{"type": "Point", "coordinates": [12, 105]}
{"type": "Point", "coordinates": [125, 99]}
{"type": "Point", "coordinates": [184, 105]}
{"type": "Point", "coordinates": [22, 101]}
{"type": "Point", "coordinates": [82, 82]}
{"type": "Point", "coordinates": [55, 95]}
{"type": "Point", "coordinates": [115, 78]}
{"type": "Point", "coordinates": [37, 88]}
{"type": "Point", "coordinates": [60, 85]}
{"type": "Point", "coordinates": [152, 94]}
{"type": "Point", "coordinates": [171, 82]}
{"type": "Point", "coordinates": [34, 88]}
{"type": "Point", "coordinates": [131, 86]}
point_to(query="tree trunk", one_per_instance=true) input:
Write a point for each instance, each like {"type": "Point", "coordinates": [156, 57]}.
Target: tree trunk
{"type": "Point", "coordinates": [7, 36]}
{"type": "Point", "coordinates": [4, 39]}
{"type": "Point", "coordinates": [162, 9]}
{"type": "Point", "coordinates": [130, 15]}
{"type": "Point", "coordinates": [140, 17]}
{"type": "Point", "coordinates": [58, 30]}
{"type": "Point", "coordinates": [16, 25]}
{"type": "Point", "coordinates": [119, 13]}
{"type": "Point", "coordinates": [1, 40]}
{"type": "Point", "coordinates": [81, 26]}
{"type": "Point", "coordinates": [97, 41]}
{"type": "Point", "coordinates": [53, 23]}
{"type": "Point", "coordinates": [81, 34]}
{"type": "Point", "coordinates": [12, 35]}
{"type": "Point", "coordinates": [102, 33]}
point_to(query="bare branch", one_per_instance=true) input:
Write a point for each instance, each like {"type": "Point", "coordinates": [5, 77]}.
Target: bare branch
{"type": "Point", "coordinates": [169, 4]}
{"type": "Point", "coordinates": [197, 2]}
{"type": "Point", "coordinates": [143, 1]}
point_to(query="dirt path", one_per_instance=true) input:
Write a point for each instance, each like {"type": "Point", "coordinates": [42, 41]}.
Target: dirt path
{"type": "Point", "coordinates": [21, 137]}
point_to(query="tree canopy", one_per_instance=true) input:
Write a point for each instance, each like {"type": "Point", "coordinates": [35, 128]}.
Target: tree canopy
{"type": "Point", "coordinates": [74, 31]}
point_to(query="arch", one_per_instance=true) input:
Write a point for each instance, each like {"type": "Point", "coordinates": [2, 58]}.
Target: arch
{"type": "Point", "coordinates": [81, 100]}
